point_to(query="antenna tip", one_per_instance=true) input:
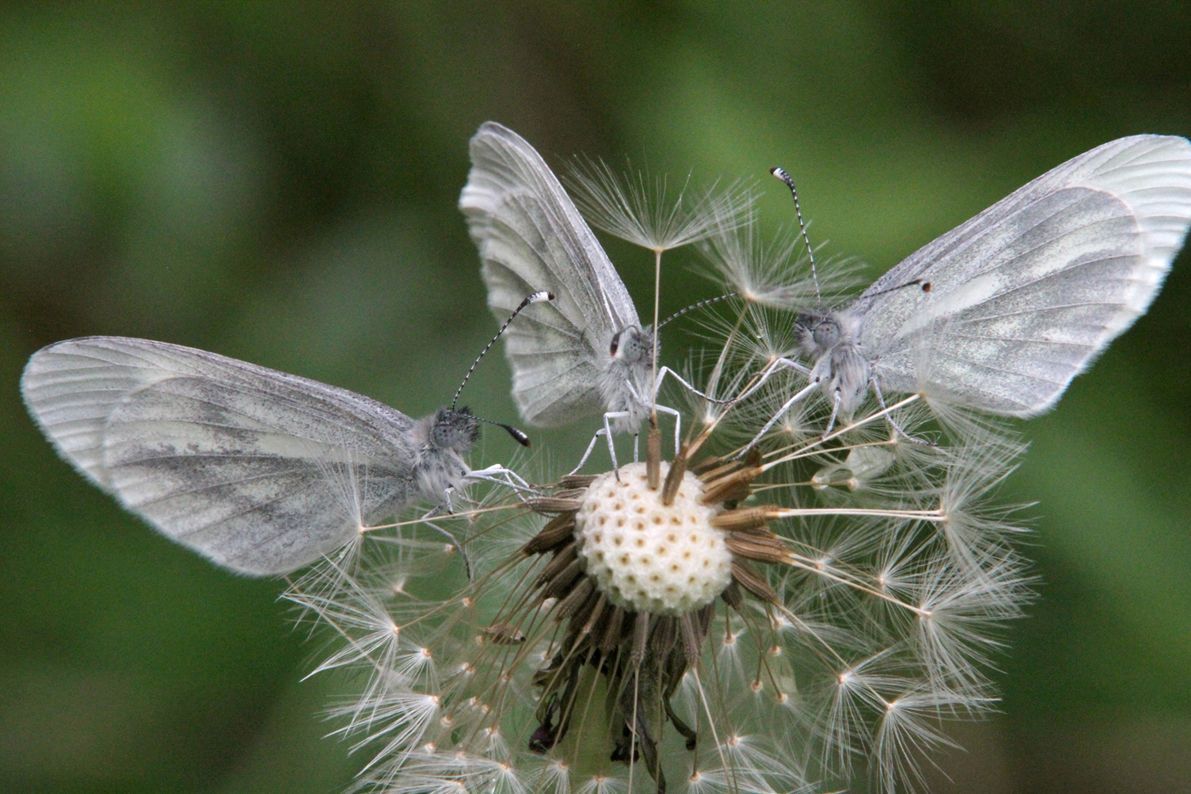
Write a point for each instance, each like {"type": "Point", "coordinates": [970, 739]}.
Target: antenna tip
{"type": "Point", "coordinates": [543, 295]}
{"type": "Point", "coordinates": [518, 435]}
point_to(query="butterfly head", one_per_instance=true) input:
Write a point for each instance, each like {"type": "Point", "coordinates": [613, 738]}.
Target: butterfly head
{"type": "Point", "coordinates": [820, 332]}
{"type": "Point", "coordinates": [453, 429]}
{"type": "Point", "coordinates": [632, 344]}
{"type": "Point", "coordinates": [817, 333]}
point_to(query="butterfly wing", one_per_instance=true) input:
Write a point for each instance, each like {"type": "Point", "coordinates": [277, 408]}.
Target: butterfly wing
{"type": "Point", "coordinates": [1003, 311]}
{"type": "Point", "coordinates": [260, 471]}
{"type": "Point", "coordinates": [531, 237]}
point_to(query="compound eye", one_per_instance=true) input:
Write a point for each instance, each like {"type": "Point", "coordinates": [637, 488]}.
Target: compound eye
{"type": "Point", "coordinates": [826, 333]}
{"type": "Point", "coordinates": [615, 344]}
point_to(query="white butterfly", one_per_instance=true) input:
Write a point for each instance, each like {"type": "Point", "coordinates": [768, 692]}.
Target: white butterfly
{"type": "Point", "coordinates": [586, 352]}
{"type": "Point", "coordinates": [259, 471]}
{"type": "Point", "coordinates": [1000, 313]}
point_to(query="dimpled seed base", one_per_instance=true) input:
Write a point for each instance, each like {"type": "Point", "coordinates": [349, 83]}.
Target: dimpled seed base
{"type": "Point", "coordinates": [645, 556]}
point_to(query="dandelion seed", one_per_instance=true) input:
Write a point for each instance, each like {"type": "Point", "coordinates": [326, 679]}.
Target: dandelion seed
{"type": "Point", "coordinates": [776, 273]}
{"type": "Point", "coordinates": [656, 216]}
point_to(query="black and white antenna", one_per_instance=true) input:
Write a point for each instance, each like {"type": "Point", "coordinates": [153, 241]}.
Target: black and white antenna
{"type": "Point", "coordinates": [788, 180]}
{"type": "Point", "coordinates": [699, 304]}
{"type": "Point", "coordinates": [518, 435]}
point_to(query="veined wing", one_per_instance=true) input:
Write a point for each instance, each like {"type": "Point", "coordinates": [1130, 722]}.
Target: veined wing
{"type": "Point", "coordinates": [1004, 310]}
{"type": "Point", "coordinates": [531, 237]}
{"type": "Point", "coordinates": [256, 469]}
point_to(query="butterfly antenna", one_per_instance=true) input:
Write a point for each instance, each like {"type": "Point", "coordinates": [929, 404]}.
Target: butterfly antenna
{"type": "Point", "coordinates": [536, 297]}
{"type": "Point", "coordinates": [788, 180]}
{"type": "Point", "coordinates": [925, 286]}
{"type": "Point", "coordinates": [519, 436]}
{"type": "Point", "coordinates": [696, 305]}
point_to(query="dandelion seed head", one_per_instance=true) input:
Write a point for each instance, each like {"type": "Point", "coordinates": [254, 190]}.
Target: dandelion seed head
{"type": "Point", "coordinates": [648, 556]}
{"type": "Point", "coordinates": [844, 596]}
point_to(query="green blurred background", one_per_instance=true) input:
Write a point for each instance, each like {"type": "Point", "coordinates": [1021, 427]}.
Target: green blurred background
{"type": "Point", "coordinates": [277, 182]}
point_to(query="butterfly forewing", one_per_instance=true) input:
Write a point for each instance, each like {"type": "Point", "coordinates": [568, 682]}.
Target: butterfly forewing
{"type": "Point", "coordinates": [554, 361]}
{"type": "Point", "coordinates": [1003, 311]}
{"type": "Point", "coordinates": [258, 470]}
{"type": "Point", "coordinates": [531, 237]}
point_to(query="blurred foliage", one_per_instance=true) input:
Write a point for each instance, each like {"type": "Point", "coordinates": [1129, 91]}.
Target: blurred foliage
{"type": "Point", "coordinates": [277, 182]}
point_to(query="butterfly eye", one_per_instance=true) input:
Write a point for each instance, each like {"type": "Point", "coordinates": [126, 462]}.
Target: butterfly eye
{"type": "Point", "coordinates": [827, 333]}
{"type": "Point", "coordinates": [634, 349]}
{"type": "Point", "coordinates": [615, 345]}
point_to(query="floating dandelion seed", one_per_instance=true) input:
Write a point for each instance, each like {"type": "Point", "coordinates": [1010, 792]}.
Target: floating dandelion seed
{"type": "Point", "coordinates": [656, 216]}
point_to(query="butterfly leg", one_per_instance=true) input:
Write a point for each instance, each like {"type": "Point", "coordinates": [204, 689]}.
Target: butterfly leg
{"type": "Point", "coordinates": [664, 371]}
{"type": "Point", "coordinates": [605, 431]}
{"type": "Point", "coordinates": [666, 409]}
{"type": "Point", "coordinates": [836, 398]}
{"type": "Point", "coordinates": [781, 363]}
{"type": "Point", "coordinates": [503, 476]}
{"type": "Point", "coordinates": [442, 508]}
{"type": "Point", "coordinates": [498, 473]}
{"type": "Point", "coordinates": [587, 453]}
{"type": "Point", "coordinates": [426, 522]}
{"type": "Point", "coordinates": [770, 370]}
{"type": "Point", "coordinates": [610, 415]}
{"type": "Point", "coordinates": [799, 395]}
{"type": "Point", "coordinates": [893, 422]}
{"type": "Point", "coordinates": [677, 425]}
